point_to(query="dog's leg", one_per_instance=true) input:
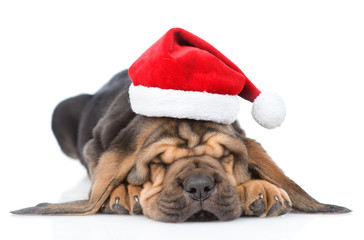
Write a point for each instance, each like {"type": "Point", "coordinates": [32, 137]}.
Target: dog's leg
{"type": "Point", "coordinates": [134, 196]}
{"type": "Point", "coordinates": [123, 200]}
{"type": "Point", "coordinates": [118, 202]}
{"type": "Point", "coordinates": [262, 199]}
{"type": "Point", "coordinates": [261, 165]}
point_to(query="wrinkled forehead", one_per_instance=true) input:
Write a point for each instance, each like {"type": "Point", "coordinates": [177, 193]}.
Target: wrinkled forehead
{"type": "Point", "coordinates": [179, 140]}
{"type": "Point", "coordinates": [200, 162]}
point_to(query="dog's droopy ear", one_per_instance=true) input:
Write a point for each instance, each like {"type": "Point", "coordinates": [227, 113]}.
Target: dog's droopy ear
{"type": "Point", "coordinates": [262, 165]}
{"type": "Point", "coordinates": [108, 175]}
{"type": "Point", "coordinates": [71, 208]}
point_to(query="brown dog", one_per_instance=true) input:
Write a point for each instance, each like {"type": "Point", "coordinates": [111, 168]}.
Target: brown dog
{"type": "Point", "coordinates": [170, 170]}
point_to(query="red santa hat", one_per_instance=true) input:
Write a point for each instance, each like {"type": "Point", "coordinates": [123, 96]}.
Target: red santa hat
{"type": "Point", "coordinates": [183, 76]}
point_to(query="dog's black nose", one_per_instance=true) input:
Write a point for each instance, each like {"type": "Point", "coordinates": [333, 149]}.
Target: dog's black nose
{"type": "Point", "coordinates": [198, 187]}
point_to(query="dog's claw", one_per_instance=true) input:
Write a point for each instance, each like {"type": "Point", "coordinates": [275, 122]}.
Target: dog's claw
{"type": "Point", "coordinates": [274, 208]}
{"type": "Point", "coordinates": [119, 209]}
{"type": "Point", "coordinates": [286, 210]}
{"type": "Point", "coordinates": [257, 207]}
{"type": "Point", "coordinates": [137, 209]}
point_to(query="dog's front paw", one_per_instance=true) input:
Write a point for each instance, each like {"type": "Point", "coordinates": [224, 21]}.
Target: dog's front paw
{"type": "Point", "coordinates": [262, 199]}
{"type": "Point", "coordinates": [123, 200]}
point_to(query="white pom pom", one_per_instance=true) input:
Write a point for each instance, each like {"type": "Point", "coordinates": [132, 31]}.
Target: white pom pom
{"type": "Point", "coordinates": [269, 110]}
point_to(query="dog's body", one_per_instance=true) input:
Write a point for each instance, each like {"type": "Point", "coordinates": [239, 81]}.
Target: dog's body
{"type": "Point", "coordinates": [172, 170]}
{"type": "Point", "coordinates": [99, 117]}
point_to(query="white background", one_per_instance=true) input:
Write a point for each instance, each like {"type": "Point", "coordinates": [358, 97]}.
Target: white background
{"type": "Point", "coordinates": [310, 52]}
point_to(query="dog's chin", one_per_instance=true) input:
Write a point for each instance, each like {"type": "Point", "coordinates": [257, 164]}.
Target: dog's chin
{"type": "Point", "coordinates": [197, 212]}
{"type": "Point", "coordinates": [202, 216]}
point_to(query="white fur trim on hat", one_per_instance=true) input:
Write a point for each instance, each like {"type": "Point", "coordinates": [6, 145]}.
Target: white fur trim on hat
{"type": "Point", "coordinates": [156, 102]}
{"type": "Point", "coordinates": [269, 110]}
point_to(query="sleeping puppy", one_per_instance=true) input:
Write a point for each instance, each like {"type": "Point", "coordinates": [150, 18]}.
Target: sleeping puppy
{"type": "Point", "coordinates": [170, 170]}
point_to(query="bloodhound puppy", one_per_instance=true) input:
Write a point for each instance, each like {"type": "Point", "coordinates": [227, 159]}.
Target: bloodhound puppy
{"type": "Point", "coordinates": [170, 170]}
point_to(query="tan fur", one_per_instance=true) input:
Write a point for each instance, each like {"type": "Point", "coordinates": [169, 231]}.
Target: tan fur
{"type": "Point", "coordinates": [269, 194]}
{"type": "Point", "coordinates": [109, 174]}
{"type": "Point", "coordinates": [134, 193]}
{"type": "Point", "coordinates": [187, 134]}
{"type": "Point", "coordinates": [119, 196]}
{"type": "Point", "coordinates": [153, 186]}
{"type": "Point", "coordinates": [228, 164]}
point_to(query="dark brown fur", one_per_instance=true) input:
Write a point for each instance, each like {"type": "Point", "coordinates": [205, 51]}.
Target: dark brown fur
{"type": "Point", "coordinates": [139, 164]}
